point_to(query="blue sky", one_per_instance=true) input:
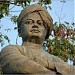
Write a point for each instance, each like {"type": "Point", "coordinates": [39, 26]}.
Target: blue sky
{"type": "Point", "coordinates": [67, 10]}
{"type": "Point", "coordinates": [67, 14]}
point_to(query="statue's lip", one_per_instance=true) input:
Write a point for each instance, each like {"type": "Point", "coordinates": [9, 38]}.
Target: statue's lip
{"type": "Point", "coordinates": [34, 30]}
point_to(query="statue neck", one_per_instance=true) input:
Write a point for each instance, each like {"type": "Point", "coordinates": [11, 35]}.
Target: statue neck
{"type": "Point", "coordinates": [34, 40]}
{"type": "Point", "coordinates": [32, 45]}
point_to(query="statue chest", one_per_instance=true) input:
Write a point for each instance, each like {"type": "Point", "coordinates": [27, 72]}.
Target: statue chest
{"type": "Point", "coordinates": [36, 55]}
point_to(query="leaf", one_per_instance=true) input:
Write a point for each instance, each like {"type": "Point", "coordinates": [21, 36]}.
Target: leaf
{"type": "Point", "coordinates": [52, 48]}
{"type": "Point", "coordinates": [48, 1]}
{"type": "Point", "coordinates": [50, 7]}
{"type": "Point", "coordinates": [25, 3]}
{"type": "Point", "coordinates": [1, 40]}
{"type": "Point", "coordinates": [6, 37]}
{"type": "Point", "coordinates": [55, 23]}
{"type": "Point", "coordinates": [28, 1]}
{"type": "Point", "coordinates": [15, 28]}
{"type": "Point", "coordinates": [1, 16]}
{"type": "Point", "coordinates": [2, 43]}
{"type": "Point", "coordinates": [14, 19]}
{"type": "Point", "coordinates": [73, 24]}
{"type": "Point", "coordinates": [67, 23]}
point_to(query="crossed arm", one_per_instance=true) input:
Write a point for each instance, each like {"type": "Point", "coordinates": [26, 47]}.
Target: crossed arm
{"type": "Point", "coordinates": [13, 61]}
{"type": "Point", "coordinates": [61, 66]}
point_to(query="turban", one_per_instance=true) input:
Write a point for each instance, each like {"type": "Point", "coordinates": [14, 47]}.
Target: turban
{"type": "Point", "coordinates": [47, 19]}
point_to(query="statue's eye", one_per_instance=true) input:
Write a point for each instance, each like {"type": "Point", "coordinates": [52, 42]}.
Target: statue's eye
{"type": "Point", "coordinates": [40, 22]}
{"type": "Point", "coordinates": [28, 22]}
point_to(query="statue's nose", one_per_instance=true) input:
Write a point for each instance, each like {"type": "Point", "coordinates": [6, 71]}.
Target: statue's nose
{"type": "Point", "coordinates": [35, 26]}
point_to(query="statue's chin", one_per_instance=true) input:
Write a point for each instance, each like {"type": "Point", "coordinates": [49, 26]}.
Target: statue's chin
{"type": "Point", "coordinates": [36, 35]}
{"type": "Point", "coordinates": [34, 38]}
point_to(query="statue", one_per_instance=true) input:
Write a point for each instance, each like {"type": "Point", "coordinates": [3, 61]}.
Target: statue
{"type": "Point", "coordinates": [34, 25]}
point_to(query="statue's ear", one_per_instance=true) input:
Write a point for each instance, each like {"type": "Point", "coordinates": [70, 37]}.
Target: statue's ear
{"type": "Point", "coordinates": [19, 32]}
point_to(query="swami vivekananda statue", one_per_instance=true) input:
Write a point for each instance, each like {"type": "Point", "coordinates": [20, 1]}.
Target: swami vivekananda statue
{"type": "Point", "coordinates": [34, 25]}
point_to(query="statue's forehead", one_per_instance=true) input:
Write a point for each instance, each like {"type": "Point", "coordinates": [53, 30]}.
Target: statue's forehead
{"type": "Point", "coordinates": [34, 16]}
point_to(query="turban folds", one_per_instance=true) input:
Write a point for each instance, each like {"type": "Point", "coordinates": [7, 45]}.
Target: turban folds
{"type": "Point", "coordinates": [47, 19]}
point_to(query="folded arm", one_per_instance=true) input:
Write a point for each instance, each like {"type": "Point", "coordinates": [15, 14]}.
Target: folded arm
{"type": "Point", "coordinates": [13, 61]}
{"type": "Point", "coordinates": [61, 67]}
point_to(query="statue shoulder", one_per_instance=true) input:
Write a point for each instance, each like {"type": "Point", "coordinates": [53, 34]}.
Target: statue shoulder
{"type": "Point", "coordinates": [10, 48]}
{"type": "Point", "coordinates": [13, 49]}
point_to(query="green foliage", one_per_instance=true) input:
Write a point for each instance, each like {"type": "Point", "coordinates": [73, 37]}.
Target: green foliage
{"type": "Point", "coordinates": [22, 2]}
{"type": "Point", "coordinates": [14, 19]}
{"type": "Point", "coordinates": [15, 28]}
{"type": "Point", "coordinates": [50, 7]}
{"type": "Point", "coordinates": [6, 37]}
{"type": "Point", "coordinates": [2, 38]}
{"type": "Point", "coordinates": [4, 9]}
{"type": "Point", "coordinates": [46, 2]}
{"type": "Point", "coordinates": [62, 45]}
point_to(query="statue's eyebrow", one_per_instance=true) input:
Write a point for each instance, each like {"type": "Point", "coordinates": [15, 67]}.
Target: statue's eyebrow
{"type": "Point", "coordinates": [39, 20]}
{"type": "Point", "coordinates": [29, 19]}
{"type": "Point", "coordinates": [33, 20]}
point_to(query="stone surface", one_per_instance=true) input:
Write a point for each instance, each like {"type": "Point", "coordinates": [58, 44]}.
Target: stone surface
{"type": "Point", "coordinates": [30, 58]}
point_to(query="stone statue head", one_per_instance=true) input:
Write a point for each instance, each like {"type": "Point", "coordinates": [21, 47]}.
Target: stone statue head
{"type": "Point", "coordinates": [34, 20]}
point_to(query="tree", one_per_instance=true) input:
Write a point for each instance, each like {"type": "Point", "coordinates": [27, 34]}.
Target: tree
{"type": "Point", "coordinates": [62, 45]}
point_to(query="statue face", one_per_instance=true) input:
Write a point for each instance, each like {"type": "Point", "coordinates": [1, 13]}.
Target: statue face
{"type": "Point", "coordinates": [32, 26]}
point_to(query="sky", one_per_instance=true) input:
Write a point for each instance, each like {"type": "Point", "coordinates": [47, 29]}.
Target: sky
{"type": "Point", "coordinates": [67, 10]}
{"type": "Point", "coordinates": [68, 14]}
